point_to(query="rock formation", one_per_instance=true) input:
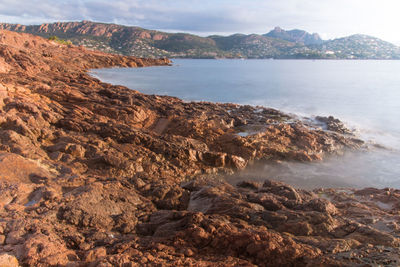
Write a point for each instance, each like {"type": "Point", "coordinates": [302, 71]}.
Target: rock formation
{"type": "Point", "coordinates": [297, 36]}
{"type": "Point", "coordinates": [93, 174]}
{"type": "Point", "coordinates": [278, 43]}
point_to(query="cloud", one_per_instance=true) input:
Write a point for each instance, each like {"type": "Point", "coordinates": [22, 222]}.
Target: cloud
{"type": "Point", "coordinates": [189, 15]}
{"type": "Point", "coordinates": [334, 18]}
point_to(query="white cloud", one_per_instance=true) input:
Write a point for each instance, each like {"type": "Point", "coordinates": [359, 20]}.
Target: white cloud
{"type": "Point", "coordinates": [333, 18]}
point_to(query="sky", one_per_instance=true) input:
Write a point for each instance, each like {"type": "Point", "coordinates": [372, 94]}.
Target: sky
{"type": "Point", "coordinates": [330, 18]}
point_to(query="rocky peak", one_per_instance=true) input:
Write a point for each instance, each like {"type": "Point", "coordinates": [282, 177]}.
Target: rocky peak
{"type": "Point", "coordinates": [297, 36]}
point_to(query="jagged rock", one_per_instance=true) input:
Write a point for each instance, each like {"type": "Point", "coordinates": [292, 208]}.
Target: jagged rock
{"type": "Point", "coordinates": [101, 175]}
{"type": "Point", "coordinates": [334, 124]}
{"type": "Point", "coordinates": [40, 249]}
{"type": "Point", "coordinates": [15, 168]}
{"type": "Point", "coordinates": [102, 206]}
{"type": "Point", "coordinates": [95, 254]}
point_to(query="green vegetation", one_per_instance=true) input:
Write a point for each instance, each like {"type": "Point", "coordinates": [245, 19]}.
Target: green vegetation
{"type": "Point", "coordinates": [278, 43]}
{"type": "Point", "coordinates": [60, 41]}
{"type": "Point", "coordinates": [184, 42]}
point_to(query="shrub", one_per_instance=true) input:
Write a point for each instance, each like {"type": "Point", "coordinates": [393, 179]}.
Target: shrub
{"type": "Point", "coordinates": [60, 41]}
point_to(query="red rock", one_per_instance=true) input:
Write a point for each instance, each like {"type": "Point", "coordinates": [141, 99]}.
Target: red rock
{"type": "Point", "coordinates": [321, 205]}
{"type": "Point", "coordinates": [236, 162]}
{"type": "Point", "coordinates": [106, 175]}
{"type": "Point", "coordinates": [14, 237]}
{"type": "Point", "coordinates": [19, 169]}
{"type": "Point", "coordinates": [7, 260]}
{"type": "Point", "coordinates": [41, 249]}
{"type": "Point", "coordinates": [3, 226]}
{"type": "Point", "coordinates": [214, 159]}
{"type": "Point", "coordinates": [96, 254]}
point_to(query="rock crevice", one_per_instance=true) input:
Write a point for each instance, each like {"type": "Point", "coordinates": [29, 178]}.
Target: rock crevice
{"type": "Point", "coordinates": [97, 174]}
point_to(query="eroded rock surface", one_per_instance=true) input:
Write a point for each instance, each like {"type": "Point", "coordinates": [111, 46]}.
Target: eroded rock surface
{"type": "Point", "coordinates": [93, 174]}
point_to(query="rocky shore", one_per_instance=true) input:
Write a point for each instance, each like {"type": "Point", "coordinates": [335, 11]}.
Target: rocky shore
{"type": "Point", "coordinates": [93, 174]}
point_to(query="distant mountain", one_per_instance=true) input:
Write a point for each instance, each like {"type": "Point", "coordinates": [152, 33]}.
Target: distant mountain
{"type": "Point", "coordinates": [125, 40]}
{"type": "Point", "coordinates": [360, 46]}
{"type": "Point", "coordinates": [296, 36]}
{"type": "Point", "coordinates": [278, 43]}
{"type": "Point", "coordinates": [252, 46]}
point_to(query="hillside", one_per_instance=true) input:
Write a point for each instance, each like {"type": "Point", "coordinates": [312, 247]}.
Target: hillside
{"type": "Point", "coordinates": [360, 46]}
{"type": "Point", "coordinates": [296, 36]}
{"type": "Point", "coordinates": [252, 46]}
{"type": "Point", "coordinates": [124, 40]}
{"type": "Point", "coordinates": [278, 43]}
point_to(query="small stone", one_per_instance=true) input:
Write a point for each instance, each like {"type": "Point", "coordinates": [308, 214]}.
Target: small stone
{"type": "Point", "coordinates": [3, 226]}
{"type": "Point", "coordinates": [76, 151]}
{"type": "Point", "coordinates": [150, 257]}
{"type": "Point", "coordinates": [67, 158]}
{"type": "Point", "coordinates": [188, 252]}
{"type": "Point", "coordinates": [56, 155]}
{"type": "Point", "coordinates": [13, 238]}
{"type": "Point", "coordinates": [84, 246]}
{"type": "Point", "coordinates": [139, 183]}
{"type": "Point", "coordinates": [237, 162]}
{"type": "Point", "coordinates": [96, 254]}
{"type": "Point", "coordinates": [7, 260]}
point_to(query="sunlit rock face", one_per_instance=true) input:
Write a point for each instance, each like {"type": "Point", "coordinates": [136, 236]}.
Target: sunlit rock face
{"type": "Point", "coordinates": [95, 174]}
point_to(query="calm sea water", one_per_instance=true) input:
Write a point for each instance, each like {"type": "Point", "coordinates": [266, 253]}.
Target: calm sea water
{"type": "Point", "coordinates": [363, 94]}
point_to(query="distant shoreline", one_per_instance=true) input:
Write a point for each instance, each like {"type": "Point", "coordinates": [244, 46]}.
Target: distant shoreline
{"type": "Point", "coordinates": [296, 59]}
{"type": "Point", "coordinates": [278, 43]}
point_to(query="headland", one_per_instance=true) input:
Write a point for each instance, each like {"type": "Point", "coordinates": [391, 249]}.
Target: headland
{"type": "Point", "coordinates": [93, 174]}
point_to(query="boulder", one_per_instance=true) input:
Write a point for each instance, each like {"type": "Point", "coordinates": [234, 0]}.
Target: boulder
{"type": "Point", "coordinates": [7, 260]}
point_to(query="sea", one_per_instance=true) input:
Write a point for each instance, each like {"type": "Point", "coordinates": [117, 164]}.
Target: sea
{"type": "Point", "coordinates": [364, 94]}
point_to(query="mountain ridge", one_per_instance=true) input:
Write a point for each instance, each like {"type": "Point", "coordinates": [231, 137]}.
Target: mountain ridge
{"type": "Point", "coordinates": [295, 35]}
{"type": "Point", "coordinates": [278, 43]}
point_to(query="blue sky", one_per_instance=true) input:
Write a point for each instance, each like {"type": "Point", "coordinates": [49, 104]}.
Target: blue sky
{"type": "Point", "coordinates": [329, 18]}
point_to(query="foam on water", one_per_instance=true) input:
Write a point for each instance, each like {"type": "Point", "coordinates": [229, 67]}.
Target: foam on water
{"type": "Point", "coordinates": [363, 94]}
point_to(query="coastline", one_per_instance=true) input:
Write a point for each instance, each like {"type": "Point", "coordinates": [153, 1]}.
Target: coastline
{"type": "Point", "coordinates": [101, 174]}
